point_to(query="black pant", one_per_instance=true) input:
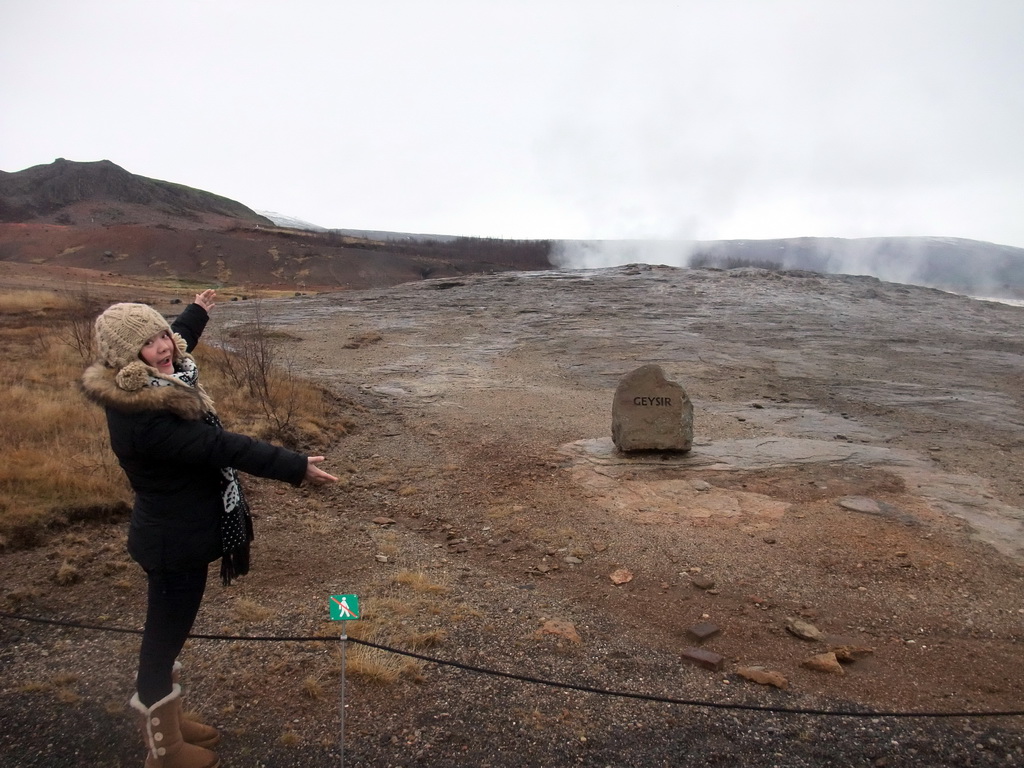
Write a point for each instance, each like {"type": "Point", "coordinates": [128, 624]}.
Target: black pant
{"type": "Point", "coordinates": [174, 598]}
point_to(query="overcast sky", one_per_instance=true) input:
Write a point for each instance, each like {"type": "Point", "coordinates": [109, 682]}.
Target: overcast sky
{"type": "Point", "coordinates": [542, 118]}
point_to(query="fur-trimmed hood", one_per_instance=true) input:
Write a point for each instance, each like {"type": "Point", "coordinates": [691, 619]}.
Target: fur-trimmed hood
{"type": "Point", "coordinates": [127, 390]}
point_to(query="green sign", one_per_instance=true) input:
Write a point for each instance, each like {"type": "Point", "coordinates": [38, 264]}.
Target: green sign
{"type": "Point", "coordinates": [344, 607]}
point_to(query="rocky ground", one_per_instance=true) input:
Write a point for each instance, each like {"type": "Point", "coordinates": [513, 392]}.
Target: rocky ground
{"type": "Point", "coordinates": [855, 469]}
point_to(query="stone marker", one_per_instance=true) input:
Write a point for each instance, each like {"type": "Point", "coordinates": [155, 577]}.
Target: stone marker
{"type": "Point", "coordinates": [651, 413]}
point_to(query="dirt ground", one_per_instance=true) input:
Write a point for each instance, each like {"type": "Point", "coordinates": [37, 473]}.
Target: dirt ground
{"type": "Point", "coordinates": [856, 467]}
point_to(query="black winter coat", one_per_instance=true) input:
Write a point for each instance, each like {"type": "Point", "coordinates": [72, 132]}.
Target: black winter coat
{"type": "Point", "coordinates": [173, 460]}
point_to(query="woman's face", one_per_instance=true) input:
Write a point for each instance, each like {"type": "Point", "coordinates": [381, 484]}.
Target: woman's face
{"type": "Point", "coordinates": [158, 352]}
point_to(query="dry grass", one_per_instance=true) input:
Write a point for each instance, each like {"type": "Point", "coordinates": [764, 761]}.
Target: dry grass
{"type": "Point", "coordinates": [250, 612]}
{"type": "Point", "coordinates": [420, 582]}
{"type": "Point", "coordinates": [374, 665]}
{"type": "Point", "coordinates": [56, 466]}
{"type": "Point", "coordinates": [66, 574]}
{"type": "Point", "coordinates": [396, 618]}
{"type": "Point", "coordinates": [67, 696]}
{"type": "Point", "coordinates": [30, 301]}
{"type": "Point", "coordinates": [290, 738]}
{"type": "Point", "coordinates": [55, 463]}
{"type": "Point", "coordinates": [312, 688]}
{"type": "Point", "coordinates": [33, 686]}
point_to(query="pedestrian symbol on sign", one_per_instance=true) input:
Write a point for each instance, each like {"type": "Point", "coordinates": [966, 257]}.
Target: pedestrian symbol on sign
{"type": "Point", "coordinates": [344, 607]}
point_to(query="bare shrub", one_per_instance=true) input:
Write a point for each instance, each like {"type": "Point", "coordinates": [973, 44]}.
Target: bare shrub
{"type": "Point", "coordinates": [80, 308]}
{"type": "Point", "coordinates": [291, 407]}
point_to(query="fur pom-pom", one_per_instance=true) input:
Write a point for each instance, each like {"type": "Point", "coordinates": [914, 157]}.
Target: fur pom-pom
{"type": "Point", "coordinates": [132, 377]}
{"type": "Point", "coordinates": [180, 343]}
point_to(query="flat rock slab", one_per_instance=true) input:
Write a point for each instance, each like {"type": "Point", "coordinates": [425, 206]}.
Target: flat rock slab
{"type": "Point", "coordinates": [597, 463]}
{"type": "Point", "coordinates": [745, 454]}
{"type": "Point", "coordinates": [860, 504]}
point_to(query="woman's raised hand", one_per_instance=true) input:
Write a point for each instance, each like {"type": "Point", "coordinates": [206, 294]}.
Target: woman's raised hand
{"type": "Point", "coordinates": [207, 299]}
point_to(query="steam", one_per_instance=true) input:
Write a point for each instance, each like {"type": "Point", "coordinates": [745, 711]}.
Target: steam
{"type": "Point", "coordinates": [598, 254]}
{"type": "Point", "coordinates": [969, 267]}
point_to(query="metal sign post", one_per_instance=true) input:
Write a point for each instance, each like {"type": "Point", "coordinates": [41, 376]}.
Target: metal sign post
{"type": "Point", "coordinates": [343, 608]}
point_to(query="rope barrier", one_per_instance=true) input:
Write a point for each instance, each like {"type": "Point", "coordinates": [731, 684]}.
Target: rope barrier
{"type": "Point", "coordinates": [536, 680]}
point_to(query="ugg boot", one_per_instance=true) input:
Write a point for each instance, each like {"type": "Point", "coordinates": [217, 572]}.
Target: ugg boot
{"type": "Point", "coordinates": [193, 731]}
{"type": "Point", "coordinates": [161, 730]}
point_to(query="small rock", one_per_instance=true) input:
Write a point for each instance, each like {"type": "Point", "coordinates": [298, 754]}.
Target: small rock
{"type": "Point", "coordinates": [571, 560]}
{"type": "Point", "coordinates": [803, 630]}
{"type": "Point", "coordinates": [383, 521]}
{"type": "Point", "coordinates": [824, 662]}
{"type": "Point", "coordinates": [700, 485]}
{"type": "Point", "coordinates": [560, 628]}
{"type": "Point", "coordinates": [702, 582]}
{"type": "Point", "coordinates": [621, 576]}
{"type": "Point", "coordinates": [381, 558]}
{"type": "Point", "coordinates": [850, 653]}
{"type": "Point", "coordinates": [763, 676]}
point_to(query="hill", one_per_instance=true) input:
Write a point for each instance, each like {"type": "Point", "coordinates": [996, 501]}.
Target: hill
{"type": "Point", "coordinates": [102, 193]}
{"type": "Point", "coordinates": [67, 216]}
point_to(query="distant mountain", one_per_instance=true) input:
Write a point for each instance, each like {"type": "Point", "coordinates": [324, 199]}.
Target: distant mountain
{"type": "Point", "coordinates": [283, 220]}
{"type": "Point", "coordinates": [68, 192]}
{"type": "Point", "coordinates": [968, 267]}
{"type": "Point", "coordinates": [964, 266]}
{"type": "Point", "coordinates": [291, 222]}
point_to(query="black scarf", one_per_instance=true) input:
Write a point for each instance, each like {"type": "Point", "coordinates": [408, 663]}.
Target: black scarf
{"type": "Point", "coordinates": [235, 520]}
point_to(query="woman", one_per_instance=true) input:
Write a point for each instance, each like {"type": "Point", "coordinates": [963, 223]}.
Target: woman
{"type": "Point", "coordinates": [189, 509]}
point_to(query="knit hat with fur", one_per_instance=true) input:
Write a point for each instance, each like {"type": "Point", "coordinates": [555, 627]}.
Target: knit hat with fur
{"type": "Point", "coordinates": [122, 330]}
